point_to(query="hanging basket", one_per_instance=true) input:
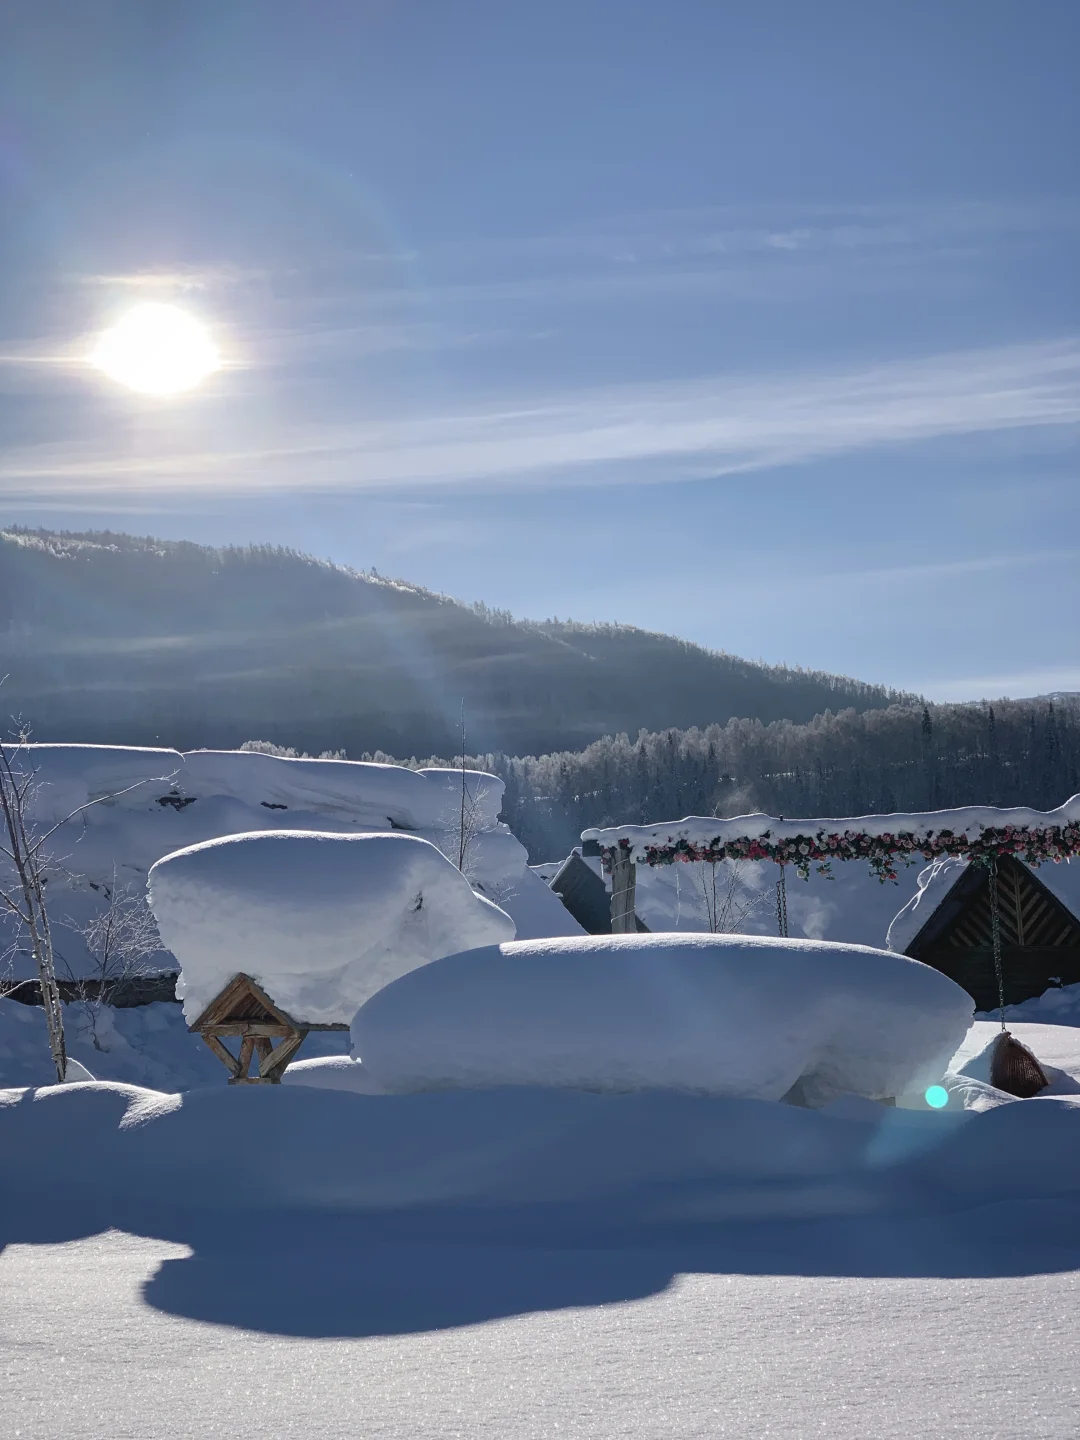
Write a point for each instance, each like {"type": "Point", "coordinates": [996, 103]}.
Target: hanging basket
{"type": "Point", "coordinates": [1014, 1069]}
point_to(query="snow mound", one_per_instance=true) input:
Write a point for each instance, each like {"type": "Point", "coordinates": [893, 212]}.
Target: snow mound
{"type": "Point", "coordinates": [320, 920]}
{"type": "Point", "coordinates": [1058, 1006]}
{"type": "Point", "coordinates": [715, 1014]}
{"type": "Point", "coordinates": [145, 804]}
{"type": "Point", "coordinates": [126, 1154]}
{"type": "Point", "coordinates": [331, 1072]}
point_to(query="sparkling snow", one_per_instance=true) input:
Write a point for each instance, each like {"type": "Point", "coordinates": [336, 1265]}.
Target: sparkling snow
{"type": "Point", "coordinates": [725, 1268]}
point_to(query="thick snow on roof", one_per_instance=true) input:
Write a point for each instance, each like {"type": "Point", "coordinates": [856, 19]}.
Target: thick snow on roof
{"type": "Point", "coordinates": [1061, 878]}
{"type": "Point", "coordinates": [320, 921]}
{"type": "Point", "coordinates": [173, 800]}
{"type": "Point", "coordinates": [714, 1014]}
{"type": "Point", "coordinates": [703, 830]}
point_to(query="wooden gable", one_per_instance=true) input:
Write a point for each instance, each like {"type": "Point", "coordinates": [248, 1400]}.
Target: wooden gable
{"type": "Point", "coordinates": [1040, 937]}
{"type": "Point", "coordinates": [243, 1001]}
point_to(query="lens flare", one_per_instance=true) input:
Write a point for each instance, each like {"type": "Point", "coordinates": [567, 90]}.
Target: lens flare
{"type": "Point", "coordinates": [937, 1097]}
{"type": "Point", "coordinates": [157, 350]}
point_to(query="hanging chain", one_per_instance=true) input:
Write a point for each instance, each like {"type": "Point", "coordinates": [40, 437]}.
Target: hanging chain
{"type": "Point", "coordinates": [781, 904]}
{"type": "Point", "coordinates": [995, 933]}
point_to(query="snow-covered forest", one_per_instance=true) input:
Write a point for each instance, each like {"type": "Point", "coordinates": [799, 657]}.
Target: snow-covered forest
{"type": "Point", "coordinates": [903, 757]}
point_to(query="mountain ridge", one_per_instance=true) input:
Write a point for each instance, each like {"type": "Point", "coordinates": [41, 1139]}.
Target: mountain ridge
{"type": "Point", "coordinates": [109, 636]}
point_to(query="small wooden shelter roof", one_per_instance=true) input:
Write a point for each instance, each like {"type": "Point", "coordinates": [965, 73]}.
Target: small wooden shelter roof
{"type": "Point", "coordinates": [243, 1001]}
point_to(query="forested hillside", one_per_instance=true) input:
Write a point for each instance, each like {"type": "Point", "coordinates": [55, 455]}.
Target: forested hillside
{"type": "Point", "coordinates": [1024, 752]}
{"type": "Point", "coordinates": [107, 637]}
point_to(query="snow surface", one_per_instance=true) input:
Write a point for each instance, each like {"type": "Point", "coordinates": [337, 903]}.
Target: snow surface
{"type": "Point", "coordinates": [332, 1072]}
{"type": "Point", "coordinates": [1056, 1047]}
{"type": "Point", "coordinates": [321, 921]}
{"type": "Point", "coordinates": [851, 1332]}
{"type": "Point", "coordinates": [518, 1264]}
{"type": "Point", "coordinates": [714, 1014]}
{"type": "Point", "coordinates": [701, 830]}
{"type": "Point", "coordinates": [175, 800]}
{"type": "Point", "coordinates": [641, 1162]}
{"type": "Point", "coordinates": [1057, 1006]}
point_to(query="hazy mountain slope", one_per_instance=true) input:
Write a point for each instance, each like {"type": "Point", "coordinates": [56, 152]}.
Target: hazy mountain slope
{"type": "Point", "coordinates": [111, 637]}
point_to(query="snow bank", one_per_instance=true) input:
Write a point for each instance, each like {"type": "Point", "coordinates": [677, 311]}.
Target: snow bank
{"type": "Point", "coordinates": [68, 776]}
{"type": "Point", "coordinates": [655, 1157]}
{"type": "Point", "coordinates": [321, 921]}
{"type": "Point", "coordinates": [1057, 1006]}
{"type": "Point", "coordinates": [147, 1045]}
{"type": "Point", "coordinates": [102, 1155]}
{"type": "Point", "coordinates": [172, 801]}
{"type": "Point", "coordinates": [715, 1014]}
{"type": "Point", "coordinates": [332, 1072]}
{"type": "Point", "coordinates": [380, 797]}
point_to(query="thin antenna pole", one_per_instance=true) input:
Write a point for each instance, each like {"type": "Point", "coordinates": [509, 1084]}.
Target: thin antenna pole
{"type": "Point", "coordinates": [461, 837]}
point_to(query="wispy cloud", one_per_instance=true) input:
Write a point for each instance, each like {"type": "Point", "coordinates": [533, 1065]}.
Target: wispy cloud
{"type": "Point", "coordinates": [1016, 685]}
{"type": "Point", "coordinates": [181, 278]}
{"type": "Point", "coordinates": [646, 433]}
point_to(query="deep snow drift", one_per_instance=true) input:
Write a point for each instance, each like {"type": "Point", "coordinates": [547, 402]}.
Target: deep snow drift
{"type": "Point", "coordinates": [654, 1160]}
{"type": "Point", "coordinates": [154, 802]}
{"type": "Point", "coordinates": [714, 1014]}
{"type": "Point", "coordinates": [321, 921]}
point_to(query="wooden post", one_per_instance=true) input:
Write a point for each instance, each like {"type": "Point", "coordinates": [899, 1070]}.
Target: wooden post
{"type": "Point", "coordinates": [623, 883]}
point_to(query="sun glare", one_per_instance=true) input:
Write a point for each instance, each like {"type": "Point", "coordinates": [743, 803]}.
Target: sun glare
{"type": "Point", "coordinates": [156, 349]}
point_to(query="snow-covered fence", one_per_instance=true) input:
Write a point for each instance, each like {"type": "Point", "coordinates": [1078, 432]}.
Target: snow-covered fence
{"type": "Point", "coordinates": [980, 833]}
{"type": "Point", "coordinates": [975, 831]}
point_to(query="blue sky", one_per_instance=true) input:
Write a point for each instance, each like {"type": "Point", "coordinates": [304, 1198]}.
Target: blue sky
{"type": "Point", "coordinates": [757, 323]}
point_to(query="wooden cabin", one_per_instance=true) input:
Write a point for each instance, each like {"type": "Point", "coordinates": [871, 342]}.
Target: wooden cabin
{"type": "Point", "coordinates": [1040, 937]}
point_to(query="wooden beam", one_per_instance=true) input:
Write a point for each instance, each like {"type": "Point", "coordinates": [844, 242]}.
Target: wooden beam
{"type": "Point", "coordinates": [227, 1059]}
{"type": "Point", "coordinates": [248, 1027]}
{"type": "Point", "coordinates": [272, 1065]}
{"type": "Point", "coordinates": [623, 885]}
{"type": "Point", "coordinates": [247, 1047]}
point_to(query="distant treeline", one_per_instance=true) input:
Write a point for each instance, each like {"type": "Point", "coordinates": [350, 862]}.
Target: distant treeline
{"type": "Point", "coordinates": [1022, 752]}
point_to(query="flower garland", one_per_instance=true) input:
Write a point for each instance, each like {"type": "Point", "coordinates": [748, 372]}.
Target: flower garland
{"type": "Point", "coordinates": [882, 852]}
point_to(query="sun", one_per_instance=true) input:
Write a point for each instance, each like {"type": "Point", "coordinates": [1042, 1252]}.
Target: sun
{"type": "Point", "coordinates": [156, 349]}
